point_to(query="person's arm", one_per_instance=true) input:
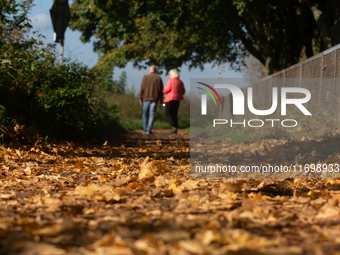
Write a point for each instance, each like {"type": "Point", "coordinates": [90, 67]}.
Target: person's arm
{"type": "Point", "coordinates": [161, 92]}
{"type": "Point", "coordinates": [168, 87]}
{"type": "Point", "coordinates": [141, 91]}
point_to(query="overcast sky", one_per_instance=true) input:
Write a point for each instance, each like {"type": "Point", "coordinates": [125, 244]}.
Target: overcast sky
{"type": "Point", "coordinates": [76, 50]}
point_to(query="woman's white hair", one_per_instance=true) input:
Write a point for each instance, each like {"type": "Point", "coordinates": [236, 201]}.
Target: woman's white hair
{"type": "Point", "coordinates": [174, 73]}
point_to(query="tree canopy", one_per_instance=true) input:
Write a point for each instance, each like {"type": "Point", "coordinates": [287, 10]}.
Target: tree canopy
{"type": "Point", "coordinates": [195, 32]}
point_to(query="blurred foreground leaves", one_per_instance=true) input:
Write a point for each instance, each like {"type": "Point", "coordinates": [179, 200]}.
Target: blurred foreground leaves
{"type": "Point", "coordinates": [137, 197]}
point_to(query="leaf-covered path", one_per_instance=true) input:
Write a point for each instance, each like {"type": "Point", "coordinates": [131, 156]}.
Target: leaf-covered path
{"type": "Point", "coordinates": [135, 196]}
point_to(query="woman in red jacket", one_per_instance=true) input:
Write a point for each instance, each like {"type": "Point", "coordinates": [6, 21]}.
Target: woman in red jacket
{"type": "Point", "coordinates": [174, 91]}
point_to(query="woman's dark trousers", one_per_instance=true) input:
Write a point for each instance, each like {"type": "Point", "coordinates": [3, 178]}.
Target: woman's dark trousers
{"type": "Point", "coordinates": [171, 110]}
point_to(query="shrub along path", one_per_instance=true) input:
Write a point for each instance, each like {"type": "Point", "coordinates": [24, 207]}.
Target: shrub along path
{"type": "Point", "coordinates": [135, 196]}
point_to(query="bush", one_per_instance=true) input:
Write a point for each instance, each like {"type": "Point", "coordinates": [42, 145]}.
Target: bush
{"type": "Point", "coordinates": [48, 99]}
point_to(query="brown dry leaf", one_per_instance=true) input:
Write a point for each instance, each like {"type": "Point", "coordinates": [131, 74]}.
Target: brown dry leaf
{"type": "Point", "coordinates": [325, 194]}
{"type": "Point", "coordinates": [28, 171]}
{"type": "Point", "coordinates": [119, 182]}
{"type": "Point", "coordinates": [146, 170]}
{"type": "Point", "coordinates": [189, 185]}
{"type": "Point", "coordinates": [173, 235]}
{"type": "Point", "coordinates": [191, 246]}
{"type": "Point", "coordinates": [174, 180]}
{"type": "Point", "coordinates": [329, 211]}
{"type": "Point", "coordinates": [78, 164]}
{"type": "Point", "coordinates": [49, 231]}
{"type": "Point", "coordinates": [261, 185]}
{"type": "Point", "coordinates": [120, 191]}
{"type": "Point", "coordinates": [104, 241]}
{"type": "Point", "coordinates": [257, 197]}
{"type": "Point", "coordinates": [160, 181]}
{"type": "Point", "coordinates": [103, 192]}
{"type": "Point", "coordinates": [183, 205]}
{"type": "Point", "coordinates": [114, 249]}
{"type": "Point", "coordinates": [150, 169]}
{"type": "Point", "coordinates": [147, 243]}
{"type": "Point", "coordinates": [133, 185]}
{"type": "Point", "coordinates": [232, 187]}
{"type": "Point", "coordinates": [8, 196]}
{"type": "Point", "coordinates": [67, 226]}
{"type": "Point", "coordinates": [208, 237]}
{"type": "Point", "coordinates": [87, 190]}
{"type": "Point", "coordinates": [111, 195]}
{"type": "Point", "coordinates": [136, 186]}
{"type": "Point", "coordinates": [52, 203]}
{"type": "Point", "coordinates": [23, 247]}
{"type": "Point", "coordinates": [203, 183]}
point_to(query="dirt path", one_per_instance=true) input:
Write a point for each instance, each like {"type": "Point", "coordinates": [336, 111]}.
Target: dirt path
{"type": "Point", "coordinates": [135, 196]}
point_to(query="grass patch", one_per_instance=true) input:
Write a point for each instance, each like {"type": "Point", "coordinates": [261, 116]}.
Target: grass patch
{"type": "Point", "coordinates": [130, 112]}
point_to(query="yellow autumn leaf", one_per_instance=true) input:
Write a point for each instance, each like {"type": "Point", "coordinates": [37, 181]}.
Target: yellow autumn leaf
{"type": "Point", "coordinates": [149, 169]}
{"type": "Point", "coordinates": [174, 188]}
{"type": "Point", "coordinates": [189, 185]}
{"type": "Point", "coordinates": [233, 196]}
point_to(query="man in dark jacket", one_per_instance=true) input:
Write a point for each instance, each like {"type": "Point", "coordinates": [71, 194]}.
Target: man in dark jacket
{"type": "Point", "coordinates": [149, 94]}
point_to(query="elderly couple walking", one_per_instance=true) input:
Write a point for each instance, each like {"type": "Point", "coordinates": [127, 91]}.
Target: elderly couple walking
{"type": "Point", "coordinates": [151, 92]}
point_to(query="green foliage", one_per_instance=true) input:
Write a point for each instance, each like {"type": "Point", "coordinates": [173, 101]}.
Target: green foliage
{"type": "Point", "coordinates": [112, 86]}
{"type": "Point", "coordinates": [48, 99]}
{"type": "Point", "coordinates": [170, 33]}
{"type": "Point", "coordinates": [13, 17]}
{"type": "Point", "coordinates": [278, 33]}
{"type": "Point", "coordinates": [127, 105]}
{"type": "Point", "coordinates": [57, 100]}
